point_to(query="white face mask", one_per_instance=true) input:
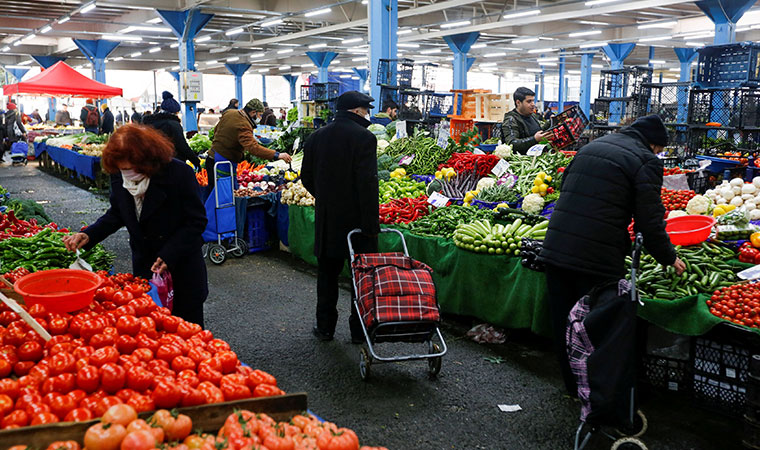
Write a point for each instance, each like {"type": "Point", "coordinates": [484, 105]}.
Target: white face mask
{"type": "Point", "coordinates": [132, 175]}
{"type": "Point", "coordinates": [367, 116]}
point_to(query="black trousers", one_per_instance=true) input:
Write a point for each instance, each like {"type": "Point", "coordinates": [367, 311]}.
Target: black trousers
{"type": "Point", "coordinates": [565, 288]}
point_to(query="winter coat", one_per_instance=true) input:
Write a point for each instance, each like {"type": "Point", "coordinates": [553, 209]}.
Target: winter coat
{"type": "Point", "coordinates": [62, 117]}
{"type": "Point", "coordinates": [233, 137]}
{"type": "Point", "coordinates": [340, 171]}
{"type": "Point", "coordinates": [268, 118]}
{"type": "Point", "coordinates": [609, 182]}
{"type": "Point", "coordinates": [171, 126]}
{"type": "Point", "coordinates": [106, 122]}
{"type": "Point", "coordinates": [83, 117]}
{"type": "Point", "coordinates": [381, 119]}
{"type": "Point", "coordinates": [514, 131]}
{"type": "Point", "coordinates": [13, 117]}
{"type": "Point", "coordinates": [136, 117]}
{"type": "Point", "coordinates": [170, 227]}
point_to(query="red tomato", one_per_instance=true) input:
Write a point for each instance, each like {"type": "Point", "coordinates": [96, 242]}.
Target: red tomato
{"type": "Point", "coordinates": [90, 328]}
{"type": "Point", "coordinates": [206, 373]}
{"type": "Point", "coordinates": [112, 377]}
{"type": "Point", "coordinates": [143, 354]}
{"type": "Point", "coordinates": [78, 395]}
{"type": "Point", "coordinates": [104, 355]}
{"type": "Point", "coordinates": [266, 390]}
{"type": "Point", "coordinates": [9, 387]}
{"type": "Point", "coordinates": [139, 379]}
{"type": "Point", "coordinates": [42, 418]}
{"type": "Point", "coordinates": [78, 415]}
{"type": "Point", "coordinates": [139, 440]}
{"type": "Point", "coordinates": [30, 351]}
{"type": "Point", "coordinates": [63, 362]}
{"type": "Point", "coordinates": [58, 326]}
{"type": "Point", "coordinates": [218, 345]}
{"type": "Point", "coordinates": [213, 394]}
{"type": "Point", "coordinates": [170, 323]}
{"type": "Point", "coordinates": [18, 417]}
{"type": "Point", "coordinates": [62, 405]}
{"type": "Point", "coordinates": [146, 342]}
{"type": "Point", "coordinates": [126, 344]}
{"type": "Point", "coordinates": [167, 395]}
{"type": "Point", "coordinates": [5, 368]}
{"type": "Point", "coordinates": [102, 340]}
{"type": "Point", "coordinates": [121, 298]}
{"type": "Point", "coordinates": [193, 397]}
{"type": "Point", "coordinates": [104, 294]}
{"type": "Point", "coordinates": [88, 379]}
{"type": "Point", "coordinates": [6, 404]}
{"type": "Point", "coordinates": [83, 352]}
{"type": "Point", "coordinates": [198, 355]}
{"type": "Point", "coordinates": [232, 391]}
{"type": "Point", "coordinates": [181, 363]}
{"type": "Point", "coordinates": [186, 330]}
{"type": "Point", "coordinates": [129, 325]}
{"type": "Point", "coordinates": [102, 406]}
{"type": "Point", "coordinates": [229, 361]}
{"type": "Point", "coordinates": [22, 368]}
{"type": "Point", "coordinates": [141, 403]}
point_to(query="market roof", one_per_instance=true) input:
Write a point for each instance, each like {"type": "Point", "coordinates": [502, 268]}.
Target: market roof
{"type": "Point", "coordinates": [61, 80]}
{"type": "Point", "coordinates": [275, 35]}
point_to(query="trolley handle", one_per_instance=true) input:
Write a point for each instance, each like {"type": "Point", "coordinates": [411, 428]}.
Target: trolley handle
{"type": "Point", "coordinates": [382, 230]}
{"type": "Point", "coordinates": [638, 242]}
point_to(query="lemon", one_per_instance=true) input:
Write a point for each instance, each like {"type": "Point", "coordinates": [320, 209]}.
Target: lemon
{"type": "Point", "coordinates": [538, 182]}
{"type": "Point", "coordinates": [541, 175]}
{"type": "Point", "coordinates": [548, 179]}
{"type": "Point", "coordinates": [535, 190]}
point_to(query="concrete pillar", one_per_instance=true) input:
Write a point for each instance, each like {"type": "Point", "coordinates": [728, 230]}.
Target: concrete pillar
{"type": "Point", "coordinates": [322, 60]}
{"type": "Point", "coordinates": [562, 85]}
{"type": "Point", "coordinates": [585, 95]}
{"type": "Point", "coordinates": [724, 15]}
{"type": "Point", "coordinates": [460, 44]}
{"type": "Point", "coordinates": [237, 70]}
{"type": "Point", "coordinates": [383, 25]}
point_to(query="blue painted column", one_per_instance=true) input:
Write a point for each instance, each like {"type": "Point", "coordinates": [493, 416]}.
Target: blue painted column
{"type": "Point", "coordinates": [237, 70]}
{"type": "Point", "coordinates": [383, 25]}
{"type": "Point", "coordinates": [96, 51]}
{"type": "Point", "coordinates": [263, 87]}
{"type": "Point", "coordinates": [45, 62]}
{"type": "Point", "coordinates": [322, 60]}
{"type": "Point", "coordinates": [617, 54]}
{"type": "Point", "coordinates": [185, 25]}
{"type": "Point", "coordinates": [685, 56]}
{"type": "Point", "coordinates": [725, 14]}
{"type": "Point", "coordinates": [175, 75]}
{"type": "Point", "coordinates": [460, 44]}
{"type": "Point", "coordinates": [585, 94]}
{"type": "Point", "coordinates": [542, 89]}
{"type": "Point", "coordinates": [537, 86]}
{"type": "Point", "coordinates": [17, 73]}
{"type": "Point", "coordinates": [567, 89]}
{"type": "Point", "coordinates": [292, 79]}
{"type": "Point", "coordinates": [651, 56]}
{"type": "Point", "coordinates": [562, 83]}
{"type": "Point", "coordinates": [362, 74]}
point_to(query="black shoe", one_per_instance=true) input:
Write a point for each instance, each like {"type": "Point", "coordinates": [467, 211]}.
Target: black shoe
{"type": "Point", "coordinates": [324, 337]}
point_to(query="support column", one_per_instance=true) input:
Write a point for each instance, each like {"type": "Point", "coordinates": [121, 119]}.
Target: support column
{"type": "Point", "coordinates": [185, 25]}
{"type": "Point", "coordinates": [537, 86]}
{"type": "Point", "coordinates": [651, 56]}
{"type": "Point", "coordinates": [460, 44]}
{"type": "Point", "coordinates": [322, 60]}
{"type": "Point", "coordinates": [362, 74]}
{"type": "Point", "coordinates": [567, 89]}
{"type": "Point", "coordinates": [724, 15]}
{"type": "Point", "coordinates": [542, 88]}
{"type": "Point", "coordinates": [292, 79]}
{"type": "Point", "coordinates": [685, 56]}
{"type": "Point", "coordinates": [562, 85]}
{"type": "Point", "coordinates": [383, 25]}
{"type": "Point", "coordinates": [96, 51]}
{"type": "Point", "coordinates": [585, 94]}
{"type": "Point", "coordinates": [617, 54]}
{"type": "Point", "coordinates": [45, 62]}
{"type": "Point", "coordinates": [498, 85]}
{"type": "Point", "coordinates": [237, 70]}
{"type": "Point", "coordinates": [263, 87]}
{"type": "Point", "coordinates": [17, 73]}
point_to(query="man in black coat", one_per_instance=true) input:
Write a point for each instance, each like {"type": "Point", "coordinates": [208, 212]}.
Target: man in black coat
{"type": "Point", "coordinates": [167, 122]}
{"type": "Point", "coordinates": [609, 182]}
{"type": "Point", "coordinates": [106, 120]}
{"type": "Point", "coordinates": [340, 171]}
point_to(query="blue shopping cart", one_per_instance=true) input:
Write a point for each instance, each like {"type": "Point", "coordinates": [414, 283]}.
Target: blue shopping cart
{"type": "Point", "coordinates": [221, 235]}
{"type": "Point", "coordinates": [19, 153]}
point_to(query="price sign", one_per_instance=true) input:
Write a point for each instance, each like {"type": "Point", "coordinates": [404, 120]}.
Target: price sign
{"type": "Point", "coordinates": [443, 136]}
{"type": "Point", "coordinates": [296, 142]}
{"type": "Point", "coordinates": [478, 151]}
{"type": "Point", "coordinates": [536, 150]}
{"type": "Point", "coordinates": [500, 168]}
{"type": "Point", "coordinates": [401, 129]}
{"type": "Point", "coordinates": [406, 160]}
{"type": "Point", "coordinates": [438, 200]}
{"type": "Point", "coordinates": [749, 274]}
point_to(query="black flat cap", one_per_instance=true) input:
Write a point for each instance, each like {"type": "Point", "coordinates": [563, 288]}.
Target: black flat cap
{"type": "Point", "coordinates": [353, 99]}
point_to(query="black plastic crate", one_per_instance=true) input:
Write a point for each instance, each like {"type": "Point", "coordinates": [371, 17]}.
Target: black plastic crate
{"type": "Point", "coordinates": [395, 72]}
{"type": "Point", "coordinates": [307, 92]}
{"type": "Point", "coordinates": [720, 375]}
{"type": "Point", "coordinates": [411, 105]}
{"type": "Point", "coordinates": [712, 142]}
{"type": "Point", "coordinates": [562, 136]}
{"type": "Point", "coordinates": [618, 112]}
{"type": "Point", "coordinates": [699, 181]}
{"type": "Point", "coordinates": [666, 360]}
{"type": "Point", "coordinates": [599, 130]}
{"type": "Point", "coordinates": [729, 65]}
{"type": "Point", "coordinates": [627, 82]}
{"type": "Point", "coordinates": [665, 98]}
{"type": "Point", "coordinates": [722, 106]}
{"type": "Point", "coordinates": [439, 105]}
{"type": "Point", "coordinates": [325, 92]}
{"type": "Point", "coordinates": [424, 76]}
{"type": "Point", "coordinates": [572, 114]}
{"type": "Point", "coordinates": [389, 93]}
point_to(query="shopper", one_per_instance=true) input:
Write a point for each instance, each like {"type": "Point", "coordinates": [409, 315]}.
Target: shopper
{"type": "Point", "coordinates": [90, 117]}
{"type": "Point", "coordinates": [136, 116]}
{"type": "Point", "coordinates": [233, 104]}
{"type": "Point", "coordinates": [610, 181]}
{"type": "Point", "coordinates": [283, 114]}
{"type": "Point", "coordinates": [62, 116]}
{"type": "Point", "coordinates": [268, 118]}
{"type": "Point", "coordinates": [167, 121]}
{"type": "Point", "coordinates": [387, 115]}
{"type": "Point", "coordinates": [35, 115]}
{"type": "Point", "coordinates": [106, 120]}
{"type": "Point", "coordinates": [233, 138]}
{"type": "Point", "coordinates": [340, 171]}
{"type": "Point", "coordinates": [548, 113]}
{"type": "Point", "coordinates": [156, 198]}
{"type": "Point", "coordinates": [522, 126]}
{"type": "Point", "coordinates": [14, 127]}
{"type": "Point", "coordinates": [119, 118]}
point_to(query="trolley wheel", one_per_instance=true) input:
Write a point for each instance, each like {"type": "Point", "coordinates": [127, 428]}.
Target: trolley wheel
{"type": "Point", "coordinates": [434, 364]}
{"type": "Point", "coordinates": [365, 362]}
{"type": "Point", "coordinates": [216, 253]}
{"type": "Point", "coordinates": [240, 249]}
{"type": "Point", "coordinates": [640, 426]}
{"type": "Point", "coordinates": [628, 443]}
{"type": "Point", "coordinates": [204, 249]}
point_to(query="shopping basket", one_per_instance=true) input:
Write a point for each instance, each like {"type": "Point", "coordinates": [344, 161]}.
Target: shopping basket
{"type": "Point", "coordinates": [220, 235]}
{"type": "Point", "coordinates": [395, 298]}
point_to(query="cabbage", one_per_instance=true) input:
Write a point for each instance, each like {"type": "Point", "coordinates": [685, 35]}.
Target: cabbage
{"type": "Point", "coordinates": [377, 129]}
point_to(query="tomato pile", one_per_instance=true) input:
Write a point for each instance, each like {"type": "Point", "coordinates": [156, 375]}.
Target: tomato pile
{"type": "Point", "coordinates": [15, 274]}
{"type": "Point", "coordinates": [122, 348]}
{"type": "Point", "coordinates": [673, 199]}
{"type": "Point", "coordinates": [739, 304]}
{"type": "Point", "coordinates": [675, 171]}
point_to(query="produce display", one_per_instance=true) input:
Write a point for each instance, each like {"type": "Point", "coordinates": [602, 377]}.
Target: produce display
{"type": "Point", "coordinates": [738, 303]}
{"type": "Point", "coordinates": [398, 187]}
{"type": "Point", "coordinates": [443, 222]}
{"type": "Point", "coordinates": [481, 165]}
{"type": "Point", "coordinates": [45, 250]}
{"type": "Point", "coordinates": [199, 143]}
{"type": "Point", "coordinates": [296, 194]}
{"type": "Point", "coordinates": [675, 200]}
{"type": "Point", "coordinates": [403, 211]}
{"type": "Point", "coordinates": [483, 237]}
{"type": "Point", "coordinates": [737, 193]}
{"type": "Point", "coordinates": [11, 226]}
{"type": "Point", "coordinates": [425, 154]}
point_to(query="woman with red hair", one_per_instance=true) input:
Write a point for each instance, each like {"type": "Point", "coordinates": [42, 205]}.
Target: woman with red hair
{"type": "Point", "coordinates": [156, 197]}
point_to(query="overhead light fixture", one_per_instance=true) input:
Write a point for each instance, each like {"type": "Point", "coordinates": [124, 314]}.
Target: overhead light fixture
{"type": "Point", "coordinates": [118, 58]}
{"type": "Point", "coordinates": [320, 45]}
{"type": "Point", "coordinates": [5, 49]}
{"type": "Point", "coordinates": [585, 33]}
{"type": "Point", "coordinates": [657, 61]}
{"type": "Point", "coordinates": [657, 25]}
{"type": "Point", "coordinates": [262, 70]}
{"type": "Point", "coordinates": [233, 31]}
{"type": "Point", "coordinates": [593, 44]}
{"type": "Point", "coordinates": [204, 38]}
{"type": "Point", "coordinates": [549, 64]}
{"type": "Point", "coordinates": [600, 2]}
{"type": "Point", "coordinates": [597, 66]}
{"type": "Point", "coordinates": [336, 62]}
{"type": "Point", "coordinates": [154, 50]}
{"type": "Point", "coordinates": [431, 51]}
{"type": "Point", "coordinates": [490, 64]}
{"type": "Point", "coordinates": [574, 72]}
{"type": "Point", "coordinates": [271, 23]}
{"type": "Point", "coordinates": [403, 32]}
{"type": "Point", "coordinates": [655, 39]}
{"type": "Point", "coordinates": [233, 58]}
{"type": "Point", "coordinates": [284, 68]}
{"type": "Point", "coordinates": [17, 43]}
{"type": "Point", "coordinates": [525, 40]}
{"type": "Point", "coordinates": [174, 45]}
{"type": "Point", "coordinates": [695, 44]}
{"type": "Point", "coordinates": [257, 55]}
{"type": "Point", "coordinates": [132, 28]}
{"type": "Point", "coordinates": [404, 45]}
{"type": "Point", "coordinates": [308, 65]}
{"type": "Point", "coordinates": [136, 54]}
{"type": "Point", "coordinates": [174, 68]}
{"type": "Point", "coordinates": [461, 23]}
{"type": "Point", "coordinates": [542, 50]}
{"type": "Point", "coordinates": [318, 12]}
{"type": "Point", "coordinates": [213, 61]}
{"type": "Point", "coordinates": [674, 69]}
{"type": "Point", "coordinates": [532, 12]}
{"type": "Point", "coordinates": [87, 8]}
{"type": "Point", "coordinates": [64, 19]}
{"type": "Point", "coordinates": [45, 29]}
{"type": "Point", "coordinates": [534, 70]}
{"type": "Point", "coordinates": [154, 20]}
{"type": "Point", "coordinates": [352, 40]}
{"type": "Point", "coordinates": [361, 58]}
{"type": "Point", "coordinates": [592, 22]}
{"type": "Point", "coordinates": [121, 37]}
{"type": "Point", "coordinates": [480, 45]}
{"type": "Point", "coordinates": [31, 36]}
{"type": "Point", "coordinates": [549, 59]}
{"type": "Point", "coordinates": [494, 55]}
{"type": "Point", "coordinates": [284, 51]}
{"type": "Point", "coordinates": [345, 76]}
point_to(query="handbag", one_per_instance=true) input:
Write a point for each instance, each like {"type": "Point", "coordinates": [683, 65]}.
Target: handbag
{"type": "Point", "coordinates": [163, 283]}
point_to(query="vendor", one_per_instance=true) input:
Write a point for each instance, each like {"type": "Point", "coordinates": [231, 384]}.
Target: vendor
{"type": "Point", "coordinates": [233, 138]}
{"type": "Point", "coordinates": [62, 116]}
{"type": "Point", "coordinates": [388, 114]}
{"type": "Point", "coordinates": [522, 126]}
{"type": "Point", "coordinates": [156, 198]}
{"type": "Point", "coordinates": [167, 121]}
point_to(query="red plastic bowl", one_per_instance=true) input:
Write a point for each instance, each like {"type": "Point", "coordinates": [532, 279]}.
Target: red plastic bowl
{"type": "Point", "coordinates": [689, 230]}
{"type": "Point", "coordinates": [59, 290]}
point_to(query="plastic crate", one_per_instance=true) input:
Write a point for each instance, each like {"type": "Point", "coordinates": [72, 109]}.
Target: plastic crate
{"type": "Point", "coordinates": [729, 65]}
{"type": "Point", "coordinates": [724, 142]}
{"type": "Point", "coordinates": [395, 72]}
{"type": "Point", "coordinates": [720, 375]}
{"type": "Point", "coordinates": [627, 82]}
{"type": "Point", "coordinates": [256, 232]}
{"type": "Point", "coordinates": [722, 106]}
{"type": "Point", "coordinates": [486, 129]}
{"type": "Point", "coordinates": [307, 92]}
{"type": "Point", "coordinates": [464, 102]}
{"type": "Point", "coordinates": [389, 93]}
{"type": "Point", "coordinates": [459, 125]}
{"type": "Point", "coordinates": [439, 105]}
{"type": "Point", "coordinates": [411, 105]}
{"type": "Point", "coordinates": [627, 111]}
{"type": "Point", "coordinates": [699, 181]}
{"type": "Point", "coordinates": [562, 137]}
{"type": "Point", "coordinates": [326, 91]}
{"type": "Point", "coordinates": [669, 101]}
{"type": "Point", "coordinates": [424, 76]}
{"type": "Point", "coordinates": [491, 107]}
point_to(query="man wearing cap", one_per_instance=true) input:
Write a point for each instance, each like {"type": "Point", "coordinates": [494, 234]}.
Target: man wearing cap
{"type": "Point", "coordinates": [167, 121]}
{"type": "Point", "coordinates": [106, 119]}
{"type": "Point", "coordinates": [340, 171]}
{"type": "Point", "coordinates": [233, 137]}
{"type": "Point", "coordinates": [90, 117]}
{"type": "Point", "coordinates": [610, 181]}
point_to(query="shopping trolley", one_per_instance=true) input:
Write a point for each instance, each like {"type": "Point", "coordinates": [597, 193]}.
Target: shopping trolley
{"type": "Point", "coordinates": [222, 223]}
{"type": "Point", "coordinates": [19, 153]}
{"type": "Point", "coordinates": [395, 299]}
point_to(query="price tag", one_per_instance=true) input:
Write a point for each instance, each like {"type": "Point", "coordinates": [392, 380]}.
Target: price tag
{"type": "Point", "coordinates": [478, 151]}
{"type": "Point", "coordinates": [443, 136]}
{"type": "Point", "coordinates": [536, 150]}
{"type": "Point", "coordinates": [730, 372]}
{"type": "Point", "coordinates": [438, 200]}
{"type": "Point", "coordinates": [500, 168]}
{"type": "Point", "coordinates": [750, 274]}
{"type": "Point", "coordinates": [401, 129]}
{"type": "Point", "coordinates": [296, 142]}
{"type": "Point", "coordinates": [406, 160]}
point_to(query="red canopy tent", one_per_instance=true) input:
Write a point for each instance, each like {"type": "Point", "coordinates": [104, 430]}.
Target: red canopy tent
{"type": "Point", "coordinates": [61, 80]}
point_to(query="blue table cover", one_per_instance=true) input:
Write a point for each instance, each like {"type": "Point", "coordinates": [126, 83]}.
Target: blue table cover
{"type": "Point", "coordinates": [83, 165]}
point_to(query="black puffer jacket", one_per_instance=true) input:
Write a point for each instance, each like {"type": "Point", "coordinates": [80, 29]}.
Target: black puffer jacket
{"type": "Point", "coordinates": [170, 125]}
{"type": "Point", "coordinates": [610, 181]}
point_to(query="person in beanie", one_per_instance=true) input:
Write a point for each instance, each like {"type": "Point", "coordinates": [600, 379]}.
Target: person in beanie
{"type": "Point", "coordinates": [340, 171]}
{"type": "Point", "coordinates": [90, 117]}
{"type": "Point", "coordinates": [167, 121]}
{"type": "Point", "coordinates": [106, 120]}
{"type": "Point", "coordinates": [611, 181]}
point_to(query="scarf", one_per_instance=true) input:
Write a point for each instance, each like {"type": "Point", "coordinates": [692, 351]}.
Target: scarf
{"type": "Point", "coordinates": [138, 190]}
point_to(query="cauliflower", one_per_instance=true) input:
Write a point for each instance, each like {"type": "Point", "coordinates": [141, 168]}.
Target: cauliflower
{"type": "Point", "coordinates": [485, 182]}
{"type": "Point", "coordinates": [677, 213]}
{"type": "Point", "coordinates": [754, 214]}
{"type": "Point", "coordinates": [503, 151]}
{"type": "Point", "coordinates": [382, 143]}
{"type": "Point", "coordinates": [533, 204]}
{"type": "Point", "coordinates": [699, 204]}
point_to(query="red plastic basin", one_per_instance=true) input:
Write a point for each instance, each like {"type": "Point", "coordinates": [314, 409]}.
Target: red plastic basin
{"type": "Point", "coordinates": [689, 230]}
{"type": "Point", "coordinates": [59, 290]}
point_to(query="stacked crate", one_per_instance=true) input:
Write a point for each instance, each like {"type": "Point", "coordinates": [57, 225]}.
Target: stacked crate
{"type": "Point", "coordinates": [671, 102]}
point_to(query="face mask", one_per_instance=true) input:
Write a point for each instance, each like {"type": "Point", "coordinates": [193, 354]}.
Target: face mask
{"type": "Point", "coordinates": [132, 175]}
{"type": "Point", "coordinates": [367, 116]}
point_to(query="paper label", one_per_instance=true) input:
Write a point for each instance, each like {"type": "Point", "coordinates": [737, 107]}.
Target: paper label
{"type": "Point", "coordinates": [478, 151]}
{"type": "Point", "coordinates": [672, 385]}
{"type": "Point", "coordinates": [443, 136]}
{"type": "Point", "coordinates": [401, 129]}
{"type": "Point", "coordinates": [730, 372]}
{"type": "Point", "coordinates": [536, 150]}
{"type": "Point", "coordinates": [500, 168]}
{"type": "Point", "coordinates": [750, 274]}
{"type": "Point", "coordinates": [406, 160]}
{"type": "Point", "coordinates": [438, 200]}
{"type": "Point", "coordinates": [296, 142]}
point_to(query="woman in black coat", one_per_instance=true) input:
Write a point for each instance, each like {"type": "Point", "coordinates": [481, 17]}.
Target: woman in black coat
{"type": "Point", "coordinates": [167, 122]}
{"type": "Point", "coordinates": [156, 198]}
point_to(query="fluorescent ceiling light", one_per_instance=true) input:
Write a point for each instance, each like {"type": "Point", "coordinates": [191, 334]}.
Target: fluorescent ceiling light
{"type": "Point", "coordinates": [534, 70]}
{"type": "Point", "coordinates": [593, 44]}
{"type": "Point", "coordinates": [533, 12]}
{"type": "Point", "coordinates": [45, 29]}
{"type": "Point", "coordinates": [118, 58]}
{"type": "Point", "coordinates": [599, 2]}
{"type": "Point", "coordinates": [5, 49]}
{"type": "Point", "coordinates": [284, 67]}
{"type": "Point", "coordinates": [488, 64]}
{"type": "Point", "coordinates": [657, 61]}
{"type": "Point", "coordinates": [233, 58]}
{"type": "Point", "coordinates": [208, 63]}
{"type": "Point", "coordinates": [17, 43]}
{"type": "Point", "coordinates": [549, 59]}
{"type": "Point", "coordinates": [655, 39]}
{"type": "Point", "coordinates": [597, 66]}
{"type": "Point", "coordinates": [271, 23]}
{"type": "Point", "coordinates": [585, 33]}
{"type": "Point", "coordinates": [308, 65]}
{"type": "Point", "coordinates": [364, 2]}
{"type": "Point", "coordinates": [361, 58]}
{"type": "Point", "coordinates": [263, 70]}
{"type": "Point", "coordinates": [175, 68]}
{"type": "Point", "coordinates": [132, 28]}
{"type": "Point", "coordinates": [550, 64]}
{"type": "Point", "coordinates": [11, 66]}
{"type": "Point", "coordinates": [136, 54]}
{"type": "Point", "coordinates": [494, 55]}
{"type": "Point", "coordinates": [317, 12]}
{"type": "Point", "coordinates": [234, 31]}
{"type": "Point", "coordinates": [695, 44]}
{"type": "Point", "coordinates": [403, 45]}
{"type": "Point", "coordinates": [257, 55]}
{"type": "Point", "coordinates": [430, 51]}
{"type": "Point", "coordinates": [345, 76]}
{"type": "Point", "coordinates": [354, 77]}
{"type": "Point", "coordinates": [336, 62]}
{"type": "Point", "coordinates": [64, 19]}
{"type": "Point", "coordinates": [174, 45]}
{"type": "Point", "coordinates": [525, 40]}
{"type": "Point", "coordinates": [320, 45]}
{"type": "Point", "coordinates": [87, 8]}
{"type": "Point", "coordinates": [121, 37]}
{"type": "Point", "coordinates": [204, 38]}
{"type": "Point", "coordinates": [284, 51]}
{"type": "Point", "coordinates": [542, 50]}
{"type": "Point", "coordinates": [461, 23]}
{"type": "Point", "coordinates": [674, 69]}
{"type": "Point", "coordinates": [592, 22]}
{"type": "Point", "coordinates": [403, 32]}
{"type": "Point", "coordinates": [31, 36]}
{"type": "Point", "coordinates": [480, 45]}
{"type": "Point", "coordinates": [574, 72]}
{"type": "Point", "coordinates": [657, 25]}
{"type": "Point", "coordinates": [352, 40]}
{"type": "Point", "coordinates": [154, 20]}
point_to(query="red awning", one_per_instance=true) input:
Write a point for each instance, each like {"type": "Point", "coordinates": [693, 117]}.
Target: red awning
{"type": "Point", "coordinates": [60, 80]}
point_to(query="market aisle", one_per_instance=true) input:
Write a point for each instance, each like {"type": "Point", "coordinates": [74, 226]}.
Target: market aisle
{"type": "Point", "coordinates": [263, 306]}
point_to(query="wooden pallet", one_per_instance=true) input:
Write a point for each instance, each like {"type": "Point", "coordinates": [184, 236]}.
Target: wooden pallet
{"type": "Point", "coordinates": [491, 107]}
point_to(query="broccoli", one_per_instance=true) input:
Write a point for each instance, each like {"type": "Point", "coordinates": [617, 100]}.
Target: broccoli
{"type": "Point", "coordinates": [384, 175]}
{"type": "Point", "coordinates": [384, 162]}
